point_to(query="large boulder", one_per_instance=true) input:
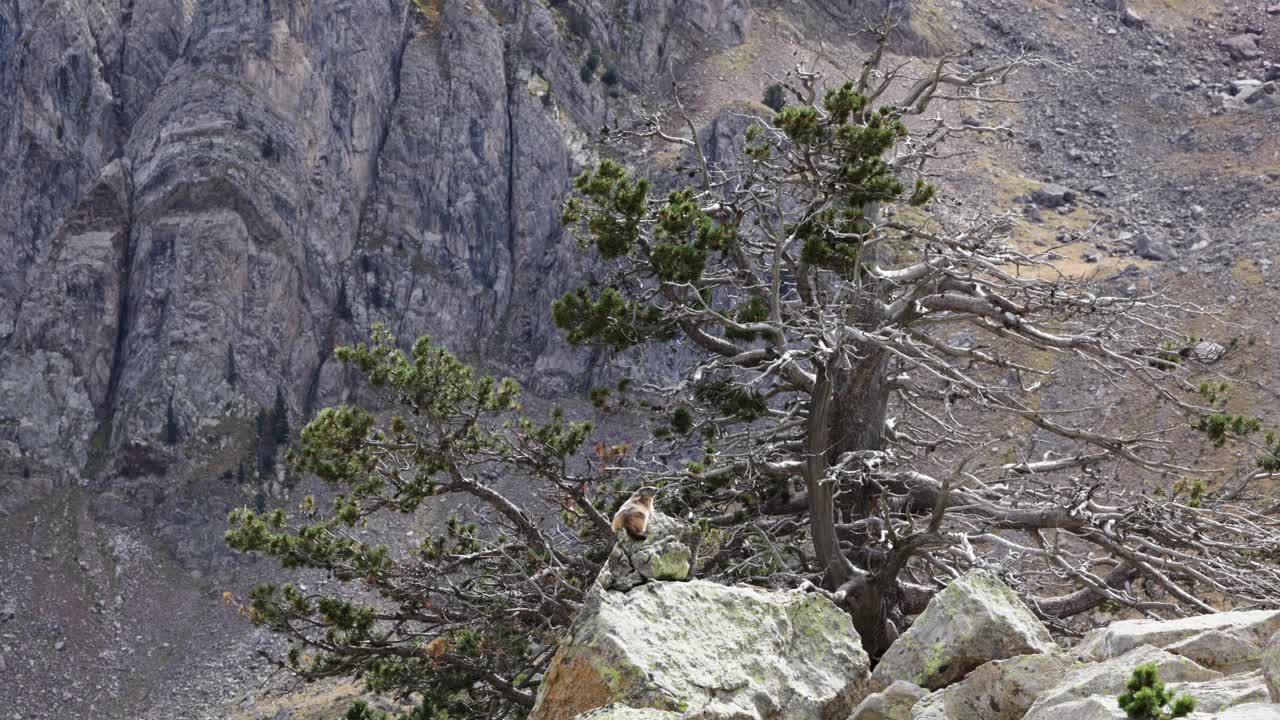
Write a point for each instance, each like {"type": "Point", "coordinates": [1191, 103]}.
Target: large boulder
{"type": "Point", "coordinates": [1227, 641]}
{"type": "Point", "coordinates": [1053, 195]}
{"type": "Point", "coordinates": [999, 690]}
{"type": "Point", "coordinates": [1252, 711]}
{"type": "Point", "coordinates": [892, 703]}
{"type": "Point", "coordinates": [1154, 249]}
{"type": "Point", "coordinates": [713, 651]}
{"type": "Point", "coordinates": [1271, 667]}
{"type": "Point", "coordinates": [624, 712]}
{"type": "Point", "coordinates": [1214, 696]}
{"type": "Point", "coordinates": [1094, 707]}
{"type": "Point", "coordinates": [975, 620]}
{"type": "Point", "coordinates": [661, 555]}
{"type": "Point", "coordinates": [1242, 47]}
{"type": "Point", "coordinates": [1241, 697]}
{"type": "Point", "coordinates": [1108, 679]}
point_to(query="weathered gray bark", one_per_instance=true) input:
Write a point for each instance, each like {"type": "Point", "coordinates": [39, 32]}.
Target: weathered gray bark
{"type": "Point", "coordinates": [835, 568]}
{"type": "Point", "coordinates": [856, 423]}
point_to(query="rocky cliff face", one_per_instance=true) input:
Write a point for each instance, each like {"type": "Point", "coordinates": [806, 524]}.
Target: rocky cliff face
{"type": "Point", "coordinates": [200, 199]}
{"type": "Point", "coordinates": [203, 198]}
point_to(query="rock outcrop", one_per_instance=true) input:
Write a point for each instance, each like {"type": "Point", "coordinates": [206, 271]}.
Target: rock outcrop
{"type": "Point", "coordinates": [1107, 680]}
{"type": "Point", "coordinates": [696, 649]}
{"type": "Point", "coordinates": [892, 703]}
{"type": "Point", "coordinates": [711, 651]}
{"type": "Point", "coordinates": [976, 619]}
{"type": "Point", "coordinates": [191, 186]}
{"type": "Point", "coordinates": [1252, 711]}
{"type": "Point", "coordinates": [623, 712]}
{"type": "Point", "coordinates": [1053, 195]}
{"type": "Point", "coordinates": [661, 555]}
{"type": "Point", "coordinates": [1228, 641]}
{"type": "Point", "coordinates": [1271, 667]}
{"type": "Point", "coordinates": [998, 690]}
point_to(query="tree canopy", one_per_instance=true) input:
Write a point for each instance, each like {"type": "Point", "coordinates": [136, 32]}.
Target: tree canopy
{"type": "Point", "coordinates": [469, 616]}
{"type": "Point", "coordinates": [861, 347]}
{"type": "Point", "coordinates": [865, 407]}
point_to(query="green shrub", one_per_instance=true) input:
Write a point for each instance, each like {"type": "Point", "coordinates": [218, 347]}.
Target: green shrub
{"type": "Point", "coordinates": [774, 97]}
{"type": "Point", "coordinates": [1146, 697]}
{"type": "Point", "coordinates": [578, 23]}
{"type": "Point", "coordinates": [589, 66]}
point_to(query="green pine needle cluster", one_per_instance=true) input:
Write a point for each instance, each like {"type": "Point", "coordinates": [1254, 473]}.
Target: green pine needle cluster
{"type": "Point", "coordinates": [1147, 698]}
{"type": "Point", "coordinates": [608, 319]}
{"type": "Point", "coordinates": [442, 421]}
{"type": "Point", "coordinates": [619, 203]}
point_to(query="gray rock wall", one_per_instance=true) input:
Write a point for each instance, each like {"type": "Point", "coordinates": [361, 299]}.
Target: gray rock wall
{"type": "Point", "coordinates": [187, 182]}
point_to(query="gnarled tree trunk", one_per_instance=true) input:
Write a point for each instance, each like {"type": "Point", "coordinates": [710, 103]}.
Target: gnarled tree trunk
{"type": "Point", "coordinates": [860, 402]}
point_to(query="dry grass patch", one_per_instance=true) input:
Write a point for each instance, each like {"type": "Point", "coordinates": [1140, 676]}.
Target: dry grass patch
{"type": "Point", "coordinates": [1251, 149]}
{"type": "Point", "coordinates": [1177, 14]}
{"type": "Point", "coordinates": [321, 700]}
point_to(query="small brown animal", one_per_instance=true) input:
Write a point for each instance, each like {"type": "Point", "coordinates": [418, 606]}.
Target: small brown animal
{"type": "Point", "coordinates": [634, 513]}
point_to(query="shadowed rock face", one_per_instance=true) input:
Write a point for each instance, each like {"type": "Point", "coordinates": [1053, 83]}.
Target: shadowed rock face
{"type": "Point", "coordinates": [193, 185]}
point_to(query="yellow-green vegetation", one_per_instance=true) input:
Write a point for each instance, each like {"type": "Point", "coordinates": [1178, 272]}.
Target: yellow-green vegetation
{"type": "Point", "coordinates": [430, 11]}
{"type": "Point", "coordinates": [1247, 272]}
{"type": "Point", "coordinates": [930, 21]}
{"type": "Point", "coordinates": [737, 59]}
{"type": "Point", "coordinates": [226, 451]}
{"type": "Point", "coordinates": [1146, 698]}
{"type": "Point", "coordinates": [1176, 14]}
{"type": "Point", "coordinates": [422, 265]}
{"type": "Point", "coordinates": [321, 700]}
{"type": "Point", "coordinates": [1254, 151]}
{"type": "Point", "coordinates": [994, 168]}
{"type": "Point", "coordinates": [99, 449]}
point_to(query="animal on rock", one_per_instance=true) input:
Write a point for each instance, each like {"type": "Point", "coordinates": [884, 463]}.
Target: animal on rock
{"type": "Point", "coordinates": [634, 513]}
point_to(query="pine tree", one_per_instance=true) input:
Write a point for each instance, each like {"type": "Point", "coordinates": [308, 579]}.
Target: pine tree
{"type": "Point", "coordinates": [376, 297]}
{"type": "Point", "coordinates": [344, 304]}
{"type": "Point", "coordinates": [815, 289]}
{"type": "Point", "coordinates": [450, 422]}
{"type": "Point", "coordinates": [232, 375]}
{"type": "Point", "coordinates": [1148, 699]}
{"type": "Point", "coordinates": [589, 66]}
{"type": "Point", "coordinates": [266, 445]}
{"type": "Point", "coordinates": [280, 419]}
{"type": "Point", "coordinates": [816, 285]}
{"type": "Point", "coordinates": [170, 425]}
{"type": "Point", "coordinates": [774, 98]}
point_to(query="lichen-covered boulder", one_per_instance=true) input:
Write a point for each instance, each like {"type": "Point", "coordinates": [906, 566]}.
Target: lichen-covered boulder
{"type": "Point", "coordinates": [1271, 667]}
{"type": "Point", "coordinates": [998, 690]}
{"type": "Point", "coordinates": [1227, 641]}
{"type": "Point", "coordinates": [1095, 707]}
{"type": "Point", "coordinates": [661, 555]}
{"type": "Point", "coordinates": [974, 620]}
{"type": "Point", "coordinates": [1219, 650]}
{"type": "Point", "coordinates": [1239, 696]}
{"type": "Point", "coordinates": [1214, 696]}
{"type": "Point", "coordinates": [713, 651]}
{"type": "Point", "coordinates": [1108, 679]}
{"type": "Point", "coordinates": [892, 703]}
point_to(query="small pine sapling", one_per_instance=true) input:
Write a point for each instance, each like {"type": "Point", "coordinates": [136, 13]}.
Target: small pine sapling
{"type": "Point", "coordinates": [1146, 697]}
